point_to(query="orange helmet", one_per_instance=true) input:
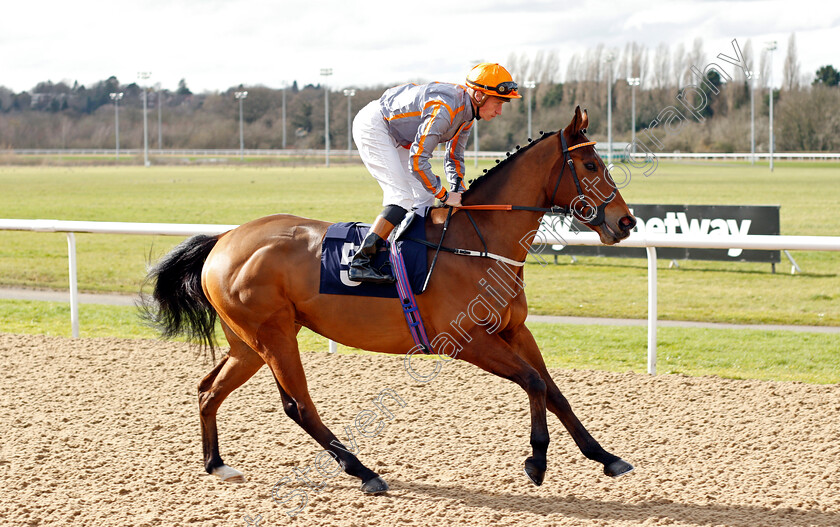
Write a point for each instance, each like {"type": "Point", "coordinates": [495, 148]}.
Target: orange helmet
{"type": "Point", "coordinates": [493, 79]}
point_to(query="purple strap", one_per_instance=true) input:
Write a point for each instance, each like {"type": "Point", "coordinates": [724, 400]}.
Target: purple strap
{"type": "Point", "coordinates": [409, 304]}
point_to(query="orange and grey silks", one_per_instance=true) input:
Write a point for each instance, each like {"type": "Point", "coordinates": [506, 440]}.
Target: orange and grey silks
{"type": "Point", "coordinates": [420, 117]}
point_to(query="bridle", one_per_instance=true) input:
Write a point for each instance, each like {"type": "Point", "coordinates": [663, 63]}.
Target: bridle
{"type": "Point", "coordinates": [592, 219]}
{"type": "Point", "coordinates": [597, 217]}
{"type": "Point", "coordinates": [595, 214]}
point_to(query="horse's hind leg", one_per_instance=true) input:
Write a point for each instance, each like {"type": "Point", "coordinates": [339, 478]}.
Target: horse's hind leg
{"type": "Point", "coordinates": [523, 342]}
{"type": "Point", "coordinates": [239, 365]}
{"type": "Point", "coordinates": [280, 348]}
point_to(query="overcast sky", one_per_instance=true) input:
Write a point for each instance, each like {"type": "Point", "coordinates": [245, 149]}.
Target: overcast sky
{"type": "Point", "coordinates": [216, 44]}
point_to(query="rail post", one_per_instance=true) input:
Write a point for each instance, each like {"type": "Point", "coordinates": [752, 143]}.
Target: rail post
{"type": "Point", "coordinates": [651, 254]}
{"type": "Point", "coordinates": [74, 286]}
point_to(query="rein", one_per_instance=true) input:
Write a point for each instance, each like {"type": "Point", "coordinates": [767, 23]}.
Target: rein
{"type": "Point", "coordinates": [597, 216]}
{"type": "Point", "coordinates": [557, 209]}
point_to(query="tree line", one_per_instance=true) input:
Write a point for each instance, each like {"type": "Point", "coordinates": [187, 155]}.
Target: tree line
{"type": "Point", "coordinates": [806, 106]}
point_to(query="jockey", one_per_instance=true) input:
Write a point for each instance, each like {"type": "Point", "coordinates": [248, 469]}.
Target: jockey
{"type": "Point", "coordinates": [396, 136]}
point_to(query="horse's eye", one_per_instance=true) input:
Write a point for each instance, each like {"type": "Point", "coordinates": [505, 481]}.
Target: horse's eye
{"type": "Point", "coordinates": [590, 166]}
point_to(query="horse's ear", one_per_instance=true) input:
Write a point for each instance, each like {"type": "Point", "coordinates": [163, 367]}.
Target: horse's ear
{"type": "Point", "coordinates": [579, 122]}
{"type": "Point", "coordinates": [585, 124]}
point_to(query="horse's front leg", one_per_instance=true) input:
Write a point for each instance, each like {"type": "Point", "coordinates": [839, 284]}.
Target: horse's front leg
{"type": "Point", "coordinates": [523, 343]}
{"type": "Point", "coordinates": [493, 354]}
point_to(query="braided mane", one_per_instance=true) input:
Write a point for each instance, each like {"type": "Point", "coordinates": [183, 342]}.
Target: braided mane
{"type": "Point", "coordinates": [501, 163]}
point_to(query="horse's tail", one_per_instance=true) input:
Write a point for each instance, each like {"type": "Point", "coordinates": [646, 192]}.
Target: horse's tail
{"type": "Point", "coordinates": [178, 305]}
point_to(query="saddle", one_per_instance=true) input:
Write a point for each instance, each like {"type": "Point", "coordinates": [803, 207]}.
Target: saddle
{"type": "Point", "coordinates": [405, 254]}
{"type": "Point", "coordinates": [342, 240]}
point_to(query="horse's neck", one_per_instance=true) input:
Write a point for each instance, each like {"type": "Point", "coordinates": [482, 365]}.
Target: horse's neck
{"type": "Point", "coordinates": [518, 183]}
{"type": "Point", "coordinates": [521, 182]}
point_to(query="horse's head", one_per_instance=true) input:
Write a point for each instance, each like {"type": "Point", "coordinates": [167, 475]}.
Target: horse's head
{"type": "Point", "coordinates": [586, 187]}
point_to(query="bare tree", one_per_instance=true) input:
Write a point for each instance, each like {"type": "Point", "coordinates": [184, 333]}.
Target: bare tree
{"type": "Point", "coordinates": [695, 58]}
{"type": "Point", "coordinates": [679, 69]}
{"type": "Point", "coordinates": [624, 62]}
{"type": "Point", "coordinates": [595, 64]}
{"type": "Point", "coordinates": [537, 69]}
{"type": "Point", "coordinates": [552, 67]}
{"type": "Point", "coordinates": [661, 67]}
{"type": "Point", "coordinates": [738, 75]}
{"type": "Point", "coordinates": [810, 119]}
{"type": "Point", "coordinates": [522, 67]}
{"type": "Point", "coordinates": [638, 62]}
{"type": "Point", "coordinates": [572, 68]}
{"type": "Point", "coordinates": [749, 58]}
{"type": "Point", "coordinates": [791, 71]}
{"type": "Point", "coordinates": [764, 69]}
{"type": "Point", "coordinates": [737, 92]}
{"type": "Point", "coordinates": [513, 66]}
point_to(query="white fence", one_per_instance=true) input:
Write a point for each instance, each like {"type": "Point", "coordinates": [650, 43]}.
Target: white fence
{"type": "Point", "coordinates": [649, 241]}
{"type": "Point", "coordinates": [338, 154]}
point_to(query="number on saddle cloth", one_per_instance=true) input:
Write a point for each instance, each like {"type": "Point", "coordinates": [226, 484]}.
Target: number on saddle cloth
{"type": "Point", "coordinates": [344, 239]}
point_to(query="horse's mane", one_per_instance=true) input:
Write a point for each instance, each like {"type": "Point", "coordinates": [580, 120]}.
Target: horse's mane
{"type": "Point", "coordinates": [502, 163]}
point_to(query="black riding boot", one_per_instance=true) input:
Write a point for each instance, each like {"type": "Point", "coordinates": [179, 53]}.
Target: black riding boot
{"type": "Point", "coordinates": [360, 266]}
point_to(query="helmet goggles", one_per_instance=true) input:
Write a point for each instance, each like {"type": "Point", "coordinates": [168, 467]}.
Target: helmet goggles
{"type": "Point", "coordinates": [503, 88]}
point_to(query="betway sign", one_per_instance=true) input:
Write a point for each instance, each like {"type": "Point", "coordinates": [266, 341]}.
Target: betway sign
{"type": "Point", "coordinates": [711, 220]}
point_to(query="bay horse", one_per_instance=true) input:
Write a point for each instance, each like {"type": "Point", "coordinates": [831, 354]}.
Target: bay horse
{"type": "Point", "coordinates": [261, 280]}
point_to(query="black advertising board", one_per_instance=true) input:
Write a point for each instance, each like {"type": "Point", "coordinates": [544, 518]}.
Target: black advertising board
{"type": "Point", "coordinates": [711, 220]}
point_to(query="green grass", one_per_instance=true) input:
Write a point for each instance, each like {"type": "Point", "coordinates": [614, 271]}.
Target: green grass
{"type": "Point", "coordinates": [744, 293]}
{"type": "Point", "coordinates": [738, 354]}
{"type": "Point", "coordinates": [224, 195]}
{"type": "Point", "coordinates": [31, 317]}
{"type": "Point", "coordinates": [809, 195]}
{"type": "Point", "coordinates": [705, 291]}
{"type": "Point", "coordinates": [807, 192]}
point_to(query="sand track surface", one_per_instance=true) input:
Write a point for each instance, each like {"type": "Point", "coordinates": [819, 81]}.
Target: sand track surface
{"type": "Point", "coordinates": [106, 432]}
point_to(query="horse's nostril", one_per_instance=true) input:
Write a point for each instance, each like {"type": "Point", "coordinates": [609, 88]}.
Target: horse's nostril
{"type": "Point", "coordinates": [627, 223]}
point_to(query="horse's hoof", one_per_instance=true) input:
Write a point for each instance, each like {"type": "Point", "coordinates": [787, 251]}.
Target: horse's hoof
{"type": "Point", "coordinates": [617, 468]}
{"type": "Point", "coordinates": [534, 473]}
{"type": "Point", "coordinates": [376, 485]}
{"type": "Point", "coordinates": [229, 475]}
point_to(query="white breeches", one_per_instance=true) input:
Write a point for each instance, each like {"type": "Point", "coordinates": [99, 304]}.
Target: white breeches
{"type": "Point", "coordinates": [387, 161]}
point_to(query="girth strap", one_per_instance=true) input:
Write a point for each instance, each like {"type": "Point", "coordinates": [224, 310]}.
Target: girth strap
{"type": "Point", "coordinates": [408, 302]}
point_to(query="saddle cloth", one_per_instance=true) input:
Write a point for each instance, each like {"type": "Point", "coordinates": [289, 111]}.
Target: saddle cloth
{"type": "Point", "coordinates": [344, 239]}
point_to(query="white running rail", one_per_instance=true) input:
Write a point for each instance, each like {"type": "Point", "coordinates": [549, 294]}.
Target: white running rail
{"type": "Point", "coordinates": [649, 241]}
